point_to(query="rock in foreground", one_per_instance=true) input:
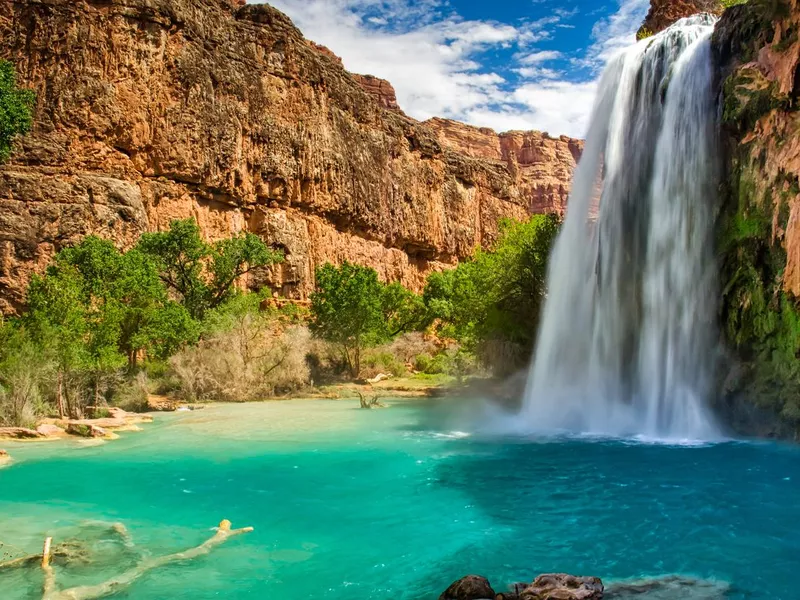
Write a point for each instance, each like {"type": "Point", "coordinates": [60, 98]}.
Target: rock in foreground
{"type": "Point", "coordinates": [471, 587]}
{"type": "Point", "coordinates": [561, 586]}
{"type": "Point", "coordinates": [552, 586]}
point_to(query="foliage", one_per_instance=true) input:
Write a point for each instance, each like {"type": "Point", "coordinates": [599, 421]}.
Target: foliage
{"type": "Point", "coordinates": [729, 3]}
{"type": "Point", "coordinates": [249, 355]}
{"type": "Point", "coordinates": [22, 374]}
{"type": "Point", "coordinates": [354, 310]}
{"type": "Point", "coordinates": [500, 293]}
{"type": "Point", "coordinates": [16, 109]}
{"type": "Point", "coordinates": [644, 33]}
{"type": "Point", "coordinates": [761, 320]}
{"type": "Point", "coordinates": [202, 274]}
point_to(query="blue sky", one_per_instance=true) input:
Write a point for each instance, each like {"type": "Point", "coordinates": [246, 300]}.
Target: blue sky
{"type": "Point", "coordinates": [504, 64]}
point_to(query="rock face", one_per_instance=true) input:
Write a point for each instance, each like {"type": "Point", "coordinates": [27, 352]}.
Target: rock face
{"type": "Point", "coordinates": [152, 110]}
{"type": "Point", "coordinates": [541, 166]}
{"type": "Point", "coordinates": [757, 50]}
{"type": "Point", "coordinates": [664, 13]}
{"type": "Point", "coordinates": [381, 91]}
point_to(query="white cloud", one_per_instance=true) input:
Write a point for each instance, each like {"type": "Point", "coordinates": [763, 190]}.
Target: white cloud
{"type": "Point", "coordinates": [433, 58]}
{"type": "Point", "coordinates": [536, 58]}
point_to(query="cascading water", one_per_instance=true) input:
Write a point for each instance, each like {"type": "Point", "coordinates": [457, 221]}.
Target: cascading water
{"type": "Point", "coordinates": [627, 341]}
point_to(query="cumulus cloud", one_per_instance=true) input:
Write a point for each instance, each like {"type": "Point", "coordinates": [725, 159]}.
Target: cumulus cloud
{"type": "Point", "coordinates": [436, 60]}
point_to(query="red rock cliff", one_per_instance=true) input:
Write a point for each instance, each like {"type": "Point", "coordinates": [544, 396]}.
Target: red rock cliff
{"type": "Point", "coordinates": [151, 110]}
{"type": "Point", "coordinates": [664, 13]}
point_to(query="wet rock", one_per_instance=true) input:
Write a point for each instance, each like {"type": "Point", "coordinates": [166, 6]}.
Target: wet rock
{"type": "Point", "coordinates": [471, 587]}
{"type": "Point", "coordinates": [561, 586]}
{"type": "Point", "coordinates": [5, 459]}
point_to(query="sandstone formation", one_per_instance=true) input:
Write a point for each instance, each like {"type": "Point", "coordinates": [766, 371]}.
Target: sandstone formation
{"type": "Point", "coordinates": [542, 166]}
{"type": "Point", "coordinates": [664, 13]}
{"type": "Point", "coordinates": [152, 110]}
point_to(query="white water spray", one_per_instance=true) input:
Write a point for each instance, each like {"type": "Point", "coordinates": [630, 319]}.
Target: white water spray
{"type": "Point", "coordinates": [627, 341]}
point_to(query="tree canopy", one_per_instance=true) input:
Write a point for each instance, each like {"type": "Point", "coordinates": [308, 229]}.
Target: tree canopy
{"type": "Point", "coordinates": [203, 274]}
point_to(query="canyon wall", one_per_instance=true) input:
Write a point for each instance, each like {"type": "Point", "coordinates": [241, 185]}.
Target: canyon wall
{"type": "Point", "coordinates": [757, 50]}
{"type": "Point", "coordinates": [152, 110]}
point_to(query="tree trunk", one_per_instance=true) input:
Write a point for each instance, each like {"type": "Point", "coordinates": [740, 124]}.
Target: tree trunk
{"type": "Point", "coordinates": [60, 394]}
{"type": "Point", "coordinates": [356, 362]}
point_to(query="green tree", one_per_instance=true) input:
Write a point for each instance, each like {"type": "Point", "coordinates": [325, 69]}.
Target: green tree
{"type": "Point", "coordinates": [348, 310]}
{"type": "Point", "coordinates": [58, 321]}
{"type": "Point", "coordinates": [498, 295]}
{"type": "Point", "coordinates": [201, 274]}
{"type": "Point", "coordinates": [16, 109]}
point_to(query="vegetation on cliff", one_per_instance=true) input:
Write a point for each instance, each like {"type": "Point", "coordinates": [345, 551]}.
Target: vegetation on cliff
{"type": "Point", "coordinates": [16, 108]}
{"type": "Point", "coordinates": [760, 313]}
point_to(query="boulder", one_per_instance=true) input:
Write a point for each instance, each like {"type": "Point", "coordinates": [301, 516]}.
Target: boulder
{"type": "Point", "coordinates": [87, 430]}
{"type": "Point", "coordinates": [471, 587]}
{"type": "Point", "coordinates": [561, 586]}
{"type": "Point", "coordinates": [50, 430]}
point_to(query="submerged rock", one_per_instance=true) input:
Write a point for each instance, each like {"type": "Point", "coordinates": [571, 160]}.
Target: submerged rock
{"type": "Point", "coordinates": [561, 586]}
{"type": "Point", "coordinates": [5, 459]}
{"type": "Point", "coordinates": [471, 587]}
{"type": "Point", "coordinates": [667, 588]}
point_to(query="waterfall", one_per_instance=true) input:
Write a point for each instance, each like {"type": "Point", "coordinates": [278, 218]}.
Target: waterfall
{"type": "Point", "coordinates": [627, 341]}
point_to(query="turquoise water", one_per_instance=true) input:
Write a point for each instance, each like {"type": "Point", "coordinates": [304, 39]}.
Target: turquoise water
{"type": "Point", "coordinates": [391, 504]}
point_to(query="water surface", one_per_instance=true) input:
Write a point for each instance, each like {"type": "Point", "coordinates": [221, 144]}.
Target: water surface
{"type": "Point", "coordinates": [352, 504]}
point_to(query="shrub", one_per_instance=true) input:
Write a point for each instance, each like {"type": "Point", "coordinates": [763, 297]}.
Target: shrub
{"type": "Point", "coordinates": [23, 372]}
{"type": "Point", "coordinates": [16, 109]}
{"type": "Point", "coordinates": [254, 357]}
{"type": "Point", "coordinates": [383, 362]}
{"type": "Point", "coordinates": [133, 394]}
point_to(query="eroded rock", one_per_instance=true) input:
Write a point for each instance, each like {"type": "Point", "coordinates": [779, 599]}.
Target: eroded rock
{"type": "Point", "coordinates": [561, 586]}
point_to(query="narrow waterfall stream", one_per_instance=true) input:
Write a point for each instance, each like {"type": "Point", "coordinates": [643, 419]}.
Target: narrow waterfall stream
{"type": "Point", "coordinates": [628, 341]}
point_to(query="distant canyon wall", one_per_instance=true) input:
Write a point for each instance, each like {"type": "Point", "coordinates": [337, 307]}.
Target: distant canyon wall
{"type": "Point", "coordinates": [153, 110]}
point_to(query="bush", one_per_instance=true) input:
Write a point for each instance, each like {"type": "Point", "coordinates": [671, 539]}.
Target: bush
{"type": "Point", "coordinates": [383, 362]}
{"type": "Point", "coordinates": [253, 358]}
{"type": "Point", "coordinates": [133, 394]}
{"type": "Point", "coordinates": [16, 109]}
{"type": "Point", "coordinates": [23, 373]}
